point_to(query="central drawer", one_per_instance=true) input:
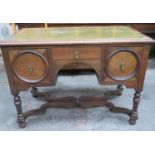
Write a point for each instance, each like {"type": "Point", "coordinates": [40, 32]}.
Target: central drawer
{"type": "Point", "coordinates": [76, 53]}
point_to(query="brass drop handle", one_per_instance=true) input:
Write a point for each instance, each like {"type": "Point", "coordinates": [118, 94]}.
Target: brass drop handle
{"type": "Point", "coordinates": [122, 67]}
{"type": "Point", "coordinates": [30, 68]}
{"type": "Point", "coordinates": [77, 55]}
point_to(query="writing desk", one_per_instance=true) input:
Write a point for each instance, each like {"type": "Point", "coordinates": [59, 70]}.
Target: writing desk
{"type": "Point", "coordinates": [33, 58]}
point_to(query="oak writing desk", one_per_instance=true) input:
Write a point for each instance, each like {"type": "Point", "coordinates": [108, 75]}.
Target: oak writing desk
{"type": "Point", "coordinates": [33, 57]}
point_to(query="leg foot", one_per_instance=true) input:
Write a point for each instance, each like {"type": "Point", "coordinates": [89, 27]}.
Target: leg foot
{"type": "Point", "coordinates": [134, 114]}
{"type": "Point", "coordinates": [20, 115]}
{"type": "Point", "coordinates": [133, 118]}
{"type": "Point", "coordinates": [22, 124]}
{"type": "Point", "coordinates": [132, 121]}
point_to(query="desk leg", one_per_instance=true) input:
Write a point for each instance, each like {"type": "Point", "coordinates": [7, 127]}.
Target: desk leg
{"type": "Point", "coordinates": [134, 114]}
{"type": "Point", "coordinates": [120, 89]}
{"type": "Point", "coordinates": [20, 115]}
{"type": "Point", "coordinates": [34, 89]}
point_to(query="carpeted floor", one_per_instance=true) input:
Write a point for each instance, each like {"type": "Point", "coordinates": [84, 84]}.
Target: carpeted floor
{"type": "Point", "coordinates": [79, 119]}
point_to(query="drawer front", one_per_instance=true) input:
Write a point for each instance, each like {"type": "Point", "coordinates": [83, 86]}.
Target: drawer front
{"type": "Point", "coordinates": [123, 63]}
{"type": "Point", "coordinates": [29, 65]}
{"type": "Point", "coordinates": [76, 53]}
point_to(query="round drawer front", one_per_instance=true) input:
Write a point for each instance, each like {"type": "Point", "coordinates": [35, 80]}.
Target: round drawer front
{"type": "Point", "coordinates": [30, 66]}
{"type": "Point", "coordinates": [122, 65]}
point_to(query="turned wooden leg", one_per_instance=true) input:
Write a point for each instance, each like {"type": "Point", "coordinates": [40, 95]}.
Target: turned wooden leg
{"type": "Point", "coordinates": [20, 116]}
{"type": "Point", "coordinates": [120, 89]}
{"type": "Point", "coordinates": [134, 114]}
{"type": "Point", "coordinates": [33, 91]}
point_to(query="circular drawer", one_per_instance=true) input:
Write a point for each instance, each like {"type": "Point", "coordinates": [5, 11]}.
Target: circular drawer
{"type": "Point", "coordinates": [30, 66]}
{"type": "Point", "coordinates": [122, 64]}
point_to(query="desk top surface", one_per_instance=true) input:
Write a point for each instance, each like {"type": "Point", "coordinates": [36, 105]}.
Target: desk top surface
{"type": "Point", "coordinates": [76, 35]}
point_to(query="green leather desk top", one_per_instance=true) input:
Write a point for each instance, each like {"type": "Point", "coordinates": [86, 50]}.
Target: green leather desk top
{"type": "Point", "coordinates": [76, 35]}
